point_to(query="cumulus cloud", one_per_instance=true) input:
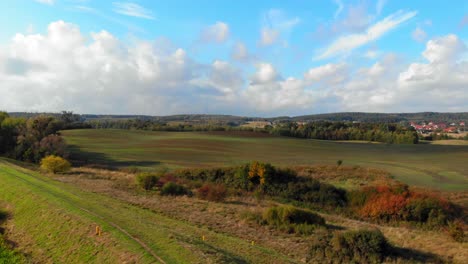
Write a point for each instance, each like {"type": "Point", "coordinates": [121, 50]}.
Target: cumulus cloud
{"type": "Point", "coordinates": [64, 69]}
{"type": "Point", "coordinates": [350, 42]}
{"type": "Point", "coordinates": [440, 83]}
{"type": "Point", "coordinates": [132, 9]}
{"type": "Point", "coordinates": [217, 33]}
{"type": "Point", "coordinates": [328, 73]}
{"type": "Point", "coordinates": [265, 74]}
{"type": "Point", "coordinates": [267, 89]}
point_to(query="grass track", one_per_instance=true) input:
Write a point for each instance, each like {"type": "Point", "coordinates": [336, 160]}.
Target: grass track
{"type": "Point", "coordinates": [55, 217]}
{"type": "Point", "coordinates": [436, 166]}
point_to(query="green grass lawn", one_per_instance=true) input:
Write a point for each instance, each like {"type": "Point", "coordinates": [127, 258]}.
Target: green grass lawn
{"type": "Point", "coordinates": [55, 223]}
{"type": "Point", "coordinates": [442, 167]}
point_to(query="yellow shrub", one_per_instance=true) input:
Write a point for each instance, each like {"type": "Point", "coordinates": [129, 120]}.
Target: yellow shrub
{"type": "Point", "coordinates": [55, 164]}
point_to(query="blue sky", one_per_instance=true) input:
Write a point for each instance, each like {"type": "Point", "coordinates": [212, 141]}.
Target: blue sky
{"type": "Point", "coordinates": [235, 57]}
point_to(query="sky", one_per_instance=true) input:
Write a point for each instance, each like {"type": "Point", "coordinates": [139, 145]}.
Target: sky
{"type": "Point", "coordinates": [254, 58]}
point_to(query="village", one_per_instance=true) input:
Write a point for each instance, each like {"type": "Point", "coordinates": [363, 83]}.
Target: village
{"type": "Point", "coordinates": [431, 127]}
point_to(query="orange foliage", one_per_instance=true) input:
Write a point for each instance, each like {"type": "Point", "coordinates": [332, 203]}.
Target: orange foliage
{"type": "Point", "coordinates": [397, 202]}
{"type": "Point", "coordinates": [257, 170]}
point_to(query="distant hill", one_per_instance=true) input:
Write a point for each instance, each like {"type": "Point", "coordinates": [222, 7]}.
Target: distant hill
{"type": "Point", "coordinates": [344, 116]}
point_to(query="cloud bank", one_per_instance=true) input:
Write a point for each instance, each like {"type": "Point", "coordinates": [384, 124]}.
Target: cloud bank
{"type": "Point", "coordinates": [65, 69]}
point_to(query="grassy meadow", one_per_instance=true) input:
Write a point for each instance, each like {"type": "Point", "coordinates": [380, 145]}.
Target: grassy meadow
{"type": "Point", "coordinates": [54, 222]}
{"type": "Point", "coordinates": [440, 167]}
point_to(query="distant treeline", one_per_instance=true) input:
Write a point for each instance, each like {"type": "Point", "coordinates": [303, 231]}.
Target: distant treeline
{"type": "Point", "coordinates": [386, 117]}
{"type": "Point", "coordinates": [379, 132]}
{"type": "Point", "coordinates": [224, 119]}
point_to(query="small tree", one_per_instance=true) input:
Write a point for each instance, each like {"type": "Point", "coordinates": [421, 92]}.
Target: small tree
{"type": "Point", "coordinates": [147, 180]}
{"type": "Point", "coordinates": [55, 164]}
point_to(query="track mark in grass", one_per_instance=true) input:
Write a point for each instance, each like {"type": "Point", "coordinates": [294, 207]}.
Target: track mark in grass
{"type": "Point", "coordinates": [63, 198]}
{"type": "Point", "coordinates": [142, 244]}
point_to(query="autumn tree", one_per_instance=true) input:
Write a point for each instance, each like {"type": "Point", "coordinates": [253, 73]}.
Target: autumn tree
{"type": "Point", "coordinates": [55, 164]}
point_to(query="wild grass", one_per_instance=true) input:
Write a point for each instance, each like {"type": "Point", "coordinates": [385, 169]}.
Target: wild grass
{"type": "Point", "coordinates": [50, 222]}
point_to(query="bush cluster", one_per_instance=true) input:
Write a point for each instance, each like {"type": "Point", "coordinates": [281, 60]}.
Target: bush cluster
{"type": "Point", "coordinates": [147, 180]}
{"type": "Point", "coordinates": [361, 246]}
{"type": "Point", "coordinates": [212, 192]}
{"type": "Point", "coordinates": [292, 219]}
{"type": "Point", "coordinates": [174, 189]}
{"type": "Point", "coordinates": [263, 178]}
{"type": "Point", "coordinates": [399, 203]}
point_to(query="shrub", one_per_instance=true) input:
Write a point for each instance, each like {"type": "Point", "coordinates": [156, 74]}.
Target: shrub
{"type": "Point", "coordinates": [147, 180]}
{"type": "Point", "coordinates": [55, 164]}
{"type": "Point", "coordinates": [292, 219]}
{"type": "Point", "coordinates": [53, 145]}
{"type": "Point", "coordinates": [165, 178]}
{"type": "Point", "coordinates": [361, 246]}
{"type": "Point", "coordinates": [313, 192]}
{"type": "Point", "coordinates": [212, 192]}
{"type": "Point", "coordinates": [339, 162]}
{"type": "Point", "coordinates": [174, 189]}
{"type": "Point", "coordinates": [399, 203]}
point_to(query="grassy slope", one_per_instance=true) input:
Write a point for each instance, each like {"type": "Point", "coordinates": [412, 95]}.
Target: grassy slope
{"type": "Point", "coordinates": [441, 167]}
{"type": "Point", "coordinates": [51, 225]}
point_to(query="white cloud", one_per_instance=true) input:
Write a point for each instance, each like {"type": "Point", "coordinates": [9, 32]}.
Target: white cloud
{"type": "Point", "coordinates": [47, 2]}
{"type": "Point", "coordinates": [350, 42]}
{"type": "Point", "coordinates": [442, 82]}
{"type": "Point", "coordinates": [444, 49]}
{"type": "Point", "coordinates": [419, 35]}
{"type": "Point", "coordinates": [265, 74]}
{"type": "Point", "coordinates": [274, 24]}
{"type": "Point", "coordinates": [241, 53]}
{"type": "Point", "coordinates": [132, 9]}
{"type": "Point", "coordinates": [65, 69]}
{"type": "Point", "coordinates": [329, 73]}
{"type": "Point", "coordinates": [218, 33]}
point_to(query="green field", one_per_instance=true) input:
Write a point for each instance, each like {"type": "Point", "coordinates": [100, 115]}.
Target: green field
{"type": "Point", "coordinates": [436, 166]}
{"type": "Point", "coordinates": [55, 223]}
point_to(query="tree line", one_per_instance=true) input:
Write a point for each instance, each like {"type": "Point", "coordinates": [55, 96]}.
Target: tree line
{"type": "Point", "coordinates": [31, 139]}
{"type": "Point", "coordinates": [378, 132]}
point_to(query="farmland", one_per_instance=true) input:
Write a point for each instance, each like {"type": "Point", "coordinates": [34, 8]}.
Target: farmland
{"type": "Point", "coordinates": [440, 167]}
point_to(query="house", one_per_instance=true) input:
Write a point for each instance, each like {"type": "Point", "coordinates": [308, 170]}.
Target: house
{"type": "Point", "coordinates": [451, 129]}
